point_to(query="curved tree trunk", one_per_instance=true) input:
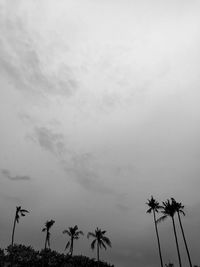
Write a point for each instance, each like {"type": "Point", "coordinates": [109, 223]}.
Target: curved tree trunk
{"type": "Point", "coordinates": [159, 247]}
{"type": "Point", "coordinates": [176, 239]}
{"type": "Point", "coordinates": [188, 254]}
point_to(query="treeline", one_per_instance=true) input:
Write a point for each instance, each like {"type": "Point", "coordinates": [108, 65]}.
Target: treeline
{"type": "Point", "coordinates": [26, 256]}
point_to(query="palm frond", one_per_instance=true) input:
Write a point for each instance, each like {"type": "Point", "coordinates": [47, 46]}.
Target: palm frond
{"type": "Point", "coordinates": [22, 210]}
{"type": "Point", "coordinates": [93, 244]}
{"type": "Point", "coordinates": [103, 245]}
{"type": "Point", "coordinates": [107, 241]}
{"type": "Point", "coordinates": [161, 219]}
{"type": "Point", "coordinates": [67, 245]}
{"type": "Point", "coordinates": [91, 234]}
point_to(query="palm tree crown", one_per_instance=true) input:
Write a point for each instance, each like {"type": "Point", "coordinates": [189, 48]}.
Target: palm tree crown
{"type": "Point", "coordinates": [20, 212]}
{"type": "Point", "coordinates": [74, 234]}
{"type": "Point", "coordinates": [99, 238]}
{"type": "Point", "coordinates": [153, 205]}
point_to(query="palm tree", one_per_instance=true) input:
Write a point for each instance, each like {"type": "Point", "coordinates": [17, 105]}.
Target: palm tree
{"type": "Point", "coordinates": [179, 209]}
{"type": "Point", "coordinates": [74, 234]}
{"type": "Point", "coordinates": [168, 209]}
{"type": "Point", "coordinates": [48, 225]}
{"type": "Point", "coordinates": [19, 212]}
{"type": "Point", "coordinates": [154, 207]}
{"type": "Point", "coordinates": [100, 240]}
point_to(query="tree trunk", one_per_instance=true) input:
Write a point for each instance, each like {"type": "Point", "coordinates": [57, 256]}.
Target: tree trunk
{"type": "Point", "coordinates": [71, 247]}
{"type": "Point", "coordinates": [13, 232]}
{"type": "Point", "coordinates": [97, 253]}
{"type": "Point", "coordinates": [177, 246]}
{"type": "Point", "coordinates": [159, 248]}
{"type": "Point", "coordinates": [45, 245]}
{"type": "Point", "coordinates": [12, 242]}
{"type": "Point", "coordinates": [188, 254]}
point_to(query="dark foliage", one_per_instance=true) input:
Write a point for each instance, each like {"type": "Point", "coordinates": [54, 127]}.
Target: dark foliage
{"type": "Point", "coordinates": [24, 256]}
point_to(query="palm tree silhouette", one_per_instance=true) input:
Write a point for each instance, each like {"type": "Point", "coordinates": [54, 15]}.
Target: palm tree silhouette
{"type": "Point", "coordinates": [168, 209]}
{"type": "Point", "coordinates": [179, 209]}
{"type": "Point", "coordinates": [19, 212]}
{"type": "Point", "coordinates": [154, 207]}
{"type": "Point", "coordinates": [99, 240]}
{"type": "Point", "coordinates": [74, 234]}
{"type": "Point", "coordinates": [48, 225]}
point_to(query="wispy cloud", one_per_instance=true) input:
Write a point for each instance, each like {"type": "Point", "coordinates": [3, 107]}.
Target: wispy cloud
{"type": "Point", "coordinates": [80, 166]}
{"type": "Point", "coordinates": [10, 177]}
{"type": "Point", "coordinates": [49, 140]}
{"type": "Point", "coordinates": [24, 64]}
{"type": "Point", "coordinates": [83, 169]}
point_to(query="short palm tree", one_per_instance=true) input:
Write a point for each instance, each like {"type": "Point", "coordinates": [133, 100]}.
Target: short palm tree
{"type": "Point", "coordinates": [74, 234]}
{"type": "Point", "coordinates": [100, 240]}
{"type": "Point", "coordinates": [179, 209]}
{"type": "Point", "coordinates": [154, 207]}
{"type": "Point", "coordinates": [168, 210]}
{"type": "Point", "coordinates": [46, 229]}
{"type": "Point", "coordinates": [19, 212]}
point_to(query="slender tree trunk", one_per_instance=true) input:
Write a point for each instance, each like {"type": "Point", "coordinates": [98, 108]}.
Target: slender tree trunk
{"type": "Point", "coordinates": [12, 241]}
{"type": "Point", "coordinates": [188, 254]}
{"type": "Point", "coordinates": [45, 245]}
{"type": "Point", "coordinates": [97, 253]}
{"type": "Point", "coordinates": [13, 231]}
{"type": "Point", "coordinates": [159, 248]}
{"type": "Point", "coordinates": [71, 247]}
{"type": "Point", "coordinates": [176, 239]}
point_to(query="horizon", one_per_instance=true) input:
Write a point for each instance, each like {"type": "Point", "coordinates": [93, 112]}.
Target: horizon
{"type": "Point", "coordinates": [99, 106]}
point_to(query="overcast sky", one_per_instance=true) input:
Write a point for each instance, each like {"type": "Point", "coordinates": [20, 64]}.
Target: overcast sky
{"type": "Point", "coordinates": [99, 110]}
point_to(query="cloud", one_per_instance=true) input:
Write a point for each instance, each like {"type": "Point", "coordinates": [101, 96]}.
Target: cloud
{"type": "Point", "coordinates": [80, 166]}
{"type": "Point", "coordinates": [49, 140]}
{"type": "Point", "coordinates": [83, 169]}
{"type": "Point", "coordinates": [7, 174]}
{"type": "Point", "coordinates": [23, 62]}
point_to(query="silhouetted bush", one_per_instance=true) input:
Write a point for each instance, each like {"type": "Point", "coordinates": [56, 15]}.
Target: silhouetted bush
{"type": "Point", "coordinates": [24, 256]}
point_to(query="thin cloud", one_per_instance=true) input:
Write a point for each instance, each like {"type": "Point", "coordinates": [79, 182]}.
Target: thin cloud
{"type": "Point", "coordinates": [8, 175]}
{"type": "Point", "coordinates": [23, 63]}
{"type": "Point", "coordinates": [80, 166]}
{"type": "Point", "coordinates": [49, 140]}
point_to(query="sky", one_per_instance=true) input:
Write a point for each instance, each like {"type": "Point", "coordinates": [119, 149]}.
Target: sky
{"type": "Point", "coordinates": [99, 110]}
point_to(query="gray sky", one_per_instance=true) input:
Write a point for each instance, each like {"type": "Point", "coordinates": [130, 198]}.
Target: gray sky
{"type": "Point", "coordinates": [99, 109]}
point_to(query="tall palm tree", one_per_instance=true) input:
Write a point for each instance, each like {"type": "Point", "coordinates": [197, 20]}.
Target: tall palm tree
{"type": "Point", "coordinates": [74, 234]}
{"type": "Point", "coordinates": [154, 207]}
{"type": "Point", "coordinates": [179, 209]}
{"type": "Point", "coordinates": [19, 212]}
{"type": "Point", "coordinates": [168, 209]}
{"type": "Point", "coordinates": [100, 240]}
{"type": "Point", "coordinates": [47, 227]}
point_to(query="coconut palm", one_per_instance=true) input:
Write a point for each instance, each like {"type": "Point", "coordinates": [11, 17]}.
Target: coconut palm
{"type": "Point", "coordinates": [168, 209]}
{"type": "Point", "coordinates": [100, 240]}
{"type": "Point", "coordinates": [179, 209]}
{"type": "Point", "coordinates": [154, 207]}
{"type": "Point", "coordinates": [19, 212]}
{"type": "Point", "coordinates": [74, 234]}
{"type": "Point", "coordinates": [46, 229]}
